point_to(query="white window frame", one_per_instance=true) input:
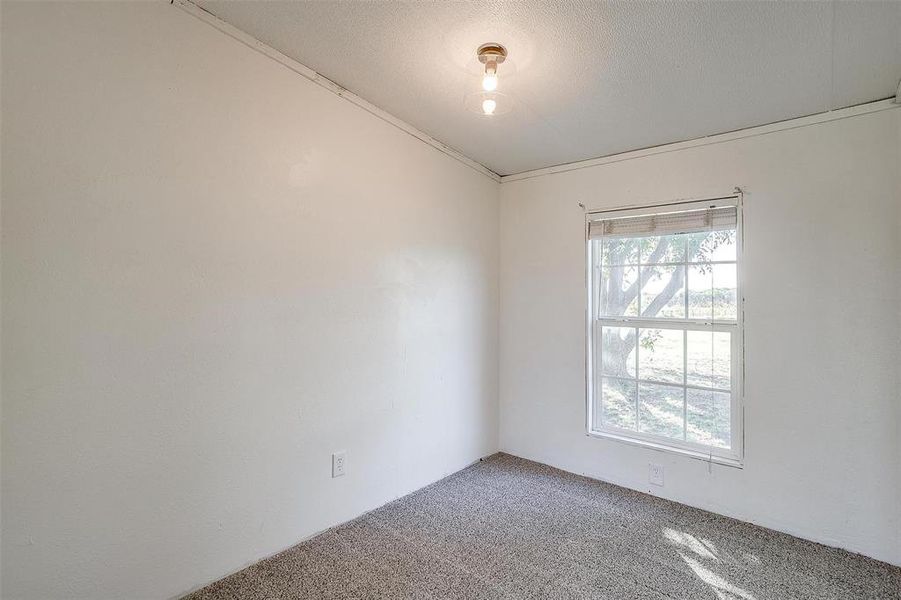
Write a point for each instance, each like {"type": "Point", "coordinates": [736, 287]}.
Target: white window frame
{"type": "Point", "coordinates": [733, 456]}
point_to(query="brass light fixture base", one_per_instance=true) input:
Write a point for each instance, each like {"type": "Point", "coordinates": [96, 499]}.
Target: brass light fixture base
{"type": "Point", "coordinates": [491, 52]}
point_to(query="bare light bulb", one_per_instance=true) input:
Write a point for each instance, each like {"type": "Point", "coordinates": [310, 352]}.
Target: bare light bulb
{"type": "Point", "coordinates": [489, 82]}
{"type": "Point", "coordinates": [488, 106]}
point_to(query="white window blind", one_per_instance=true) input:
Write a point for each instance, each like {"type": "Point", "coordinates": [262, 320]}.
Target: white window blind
{"type": "Point", "coordinates": [667, 223]}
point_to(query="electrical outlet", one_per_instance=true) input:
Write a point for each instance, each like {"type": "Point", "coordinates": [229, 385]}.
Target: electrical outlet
{"type": "Point", "coordinates": [339, 463]}
{"type": "Point", "coordinates": [655, 474]}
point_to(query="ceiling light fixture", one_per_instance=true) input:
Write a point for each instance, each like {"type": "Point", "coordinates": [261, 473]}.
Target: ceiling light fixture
{"type": "Point", "coordinates": [489, 102]}
{"type": "Point", "coordinates": [491, 55]}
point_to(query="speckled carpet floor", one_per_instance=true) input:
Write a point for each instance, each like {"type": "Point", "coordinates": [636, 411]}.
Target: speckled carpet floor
{"type": "Point", "coordinates": [511, 528]}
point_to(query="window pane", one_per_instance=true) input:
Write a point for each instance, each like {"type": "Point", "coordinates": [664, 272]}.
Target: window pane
{"type": "Point", "coordinates": [700, 292]}
{"type": "Point", "coordinates": [663, 292]}
{"type": "Point", "coordinates": [660, 355]}
{"type": "Point", "coordinates": [724, 284]}
{"type": "Point", "coordinates": [660, 409]}
{"type": "Point", "coordinates": [709, 359]}
{"type": "Point", "coordinates": [708, 418]}
{"type": "Point", "coordinates": [662, 249]}
{"type": "Point", "coordinates": [712, 246]}
{"type": "Point", "coordinates": [618, 351]}
{"type": "Point", "coordinates": [618, 403]}
{"type": "Point", "coordinates": [619, 292]}
{"type": "Point", "coordinates": [620, 251]}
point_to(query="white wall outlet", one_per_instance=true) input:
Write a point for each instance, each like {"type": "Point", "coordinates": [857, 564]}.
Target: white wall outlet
{"type": "Point", "coordinates": [339, 463]}
{"type": "Point", "coordinates": [655, 474]}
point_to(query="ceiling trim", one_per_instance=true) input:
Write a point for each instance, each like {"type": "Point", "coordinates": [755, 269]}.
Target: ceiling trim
{"type": "Point", "coordinates": [719, 138]}
{"type": "Point", "coordinates": [254, 44]}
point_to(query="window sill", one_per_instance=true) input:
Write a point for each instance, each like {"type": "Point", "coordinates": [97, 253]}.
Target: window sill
{"type": "Point", "coordinates": [725, 461]}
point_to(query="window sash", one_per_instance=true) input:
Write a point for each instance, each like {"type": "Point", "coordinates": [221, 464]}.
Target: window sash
{"type": "Point", "coordinates": [598, 376]}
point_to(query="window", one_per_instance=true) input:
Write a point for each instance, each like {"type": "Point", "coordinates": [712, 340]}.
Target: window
{"type": "Point", "coordinates": [664, 339]}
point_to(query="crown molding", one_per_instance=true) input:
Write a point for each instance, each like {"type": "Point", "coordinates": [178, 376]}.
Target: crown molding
{"type": "Point", "coordinates": [815, 119]}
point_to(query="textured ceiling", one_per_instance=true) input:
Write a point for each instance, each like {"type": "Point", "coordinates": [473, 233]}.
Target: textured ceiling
{"type": "Point", "coordinates": [588, 78]}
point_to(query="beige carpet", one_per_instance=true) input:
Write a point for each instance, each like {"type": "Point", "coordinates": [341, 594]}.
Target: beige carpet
{"type": "Point", "coordinates": [511, 528]}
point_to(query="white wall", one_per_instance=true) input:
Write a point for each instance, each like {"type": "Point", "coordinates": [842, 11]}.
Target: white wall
{"type": "Point", "coordinates": [215, 273]}
{"type": "Point", "coordinates": [823, 289]}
